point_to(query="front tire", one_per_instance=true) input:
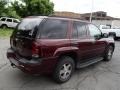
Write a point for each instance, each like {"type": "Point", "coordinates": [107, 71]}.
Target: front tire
{"type": "Point", "coordinates": [64, 69]}
{"type": "Point", "coordinates": [113, 35]}
{"type": "Point", "coordinates": [109, 53]}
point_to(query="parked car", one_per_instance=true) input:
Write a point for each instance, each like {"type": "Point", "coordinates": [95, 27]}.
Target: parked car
{"type": "Point", "coordinates": [53, 45]}
{"type": "Point", "coordinates": [6, 22]}
{"type": "Point", "coordinates": [114, 32]}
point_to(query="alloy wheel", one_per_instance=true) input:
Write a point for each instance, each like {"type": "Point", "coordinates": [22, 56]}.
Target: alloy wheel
{"type": "Point", "coordinates": [65, 71]}
{"type": "Point", "coordinates": [110, 52]}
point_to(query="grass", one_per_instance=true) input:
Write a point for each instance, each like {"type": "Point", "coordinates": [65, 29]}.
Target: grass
{"type": "Point", "coordinates": [5, 33]}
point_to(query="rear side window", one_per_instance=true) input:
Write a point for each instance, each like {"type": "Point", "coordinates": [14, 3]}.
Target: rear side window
{"type": "Point", "coordinates": [9, 20]}
{"type": "Point", "coordinates": [79, 30]}
{"type": "Point", "coordinates": [54, 29]}
{"type": "Point", "coordinates": [3, 19]}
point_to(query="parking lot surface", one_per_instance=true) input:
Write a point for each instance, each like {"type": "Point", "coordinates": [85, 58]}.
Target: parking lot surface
{"type": "Point", "coordinates": [100, 76]}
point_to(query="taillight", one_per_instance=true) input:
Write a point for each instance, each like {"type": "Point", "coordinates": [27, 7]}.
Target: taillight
{"type": "Point", "coordinates": [35, 50]}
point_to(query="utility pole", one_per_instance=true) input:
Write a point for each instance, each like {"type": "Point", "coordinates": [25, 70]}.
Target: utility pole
{"type": "Point", "coordinates": [91, 15]}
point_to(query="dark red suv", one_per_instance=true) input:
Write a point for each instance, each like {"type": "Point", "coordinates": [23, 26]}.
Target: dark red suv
{"type": "Point", "coordinates": [57, 45]}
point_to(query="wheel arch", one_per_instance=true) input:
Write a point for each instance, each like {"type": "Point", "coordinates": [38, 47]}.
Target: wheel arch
{"type": "Point", "coordinates": [112, 44]}
{"type": "Point", "coordinates": [67, 51]}
{"type": "Point", "coordinates": [71, 54]}
{"type": "Point", "coordinates": [4, 25]}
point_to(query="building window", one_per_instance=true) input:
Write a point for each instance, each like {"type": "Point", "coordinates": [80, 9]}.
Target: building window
{"type": "Point", "coordinates": [99, 14]}
{"type": "Point", "coordinates": [104, 15]}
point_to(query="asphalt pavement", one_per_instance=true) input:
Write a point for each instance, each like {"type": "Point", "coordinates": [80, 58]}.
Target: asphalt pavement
{"type": "Point", "coordinates": [100, 76]}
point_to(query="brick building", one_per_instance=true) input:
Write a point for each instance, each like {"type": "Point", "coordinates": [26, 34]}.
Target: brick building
{"type": "Point", "coordinates": [100, 15]}
{"type": "Point", "coordinates": [67, 14]}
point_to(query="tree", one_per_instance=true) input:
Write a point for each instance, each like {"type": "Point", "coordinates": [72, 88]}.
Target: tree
{"type": "Point", "coordinates": [6, 10]}
{"type": "Point", "coordinates": [33, 7]}
{"type": "Point", "coordinates": [2, 7]}
{"type": "Point", "coordinates": [12, 13]}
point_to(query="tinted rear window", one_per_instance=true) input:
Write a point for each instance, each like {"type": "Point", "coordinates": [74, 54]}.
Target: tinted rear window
{"type": "Point", "coordinates": [28, 27]}
{"type": "Point", "coordinates": [53, 29]}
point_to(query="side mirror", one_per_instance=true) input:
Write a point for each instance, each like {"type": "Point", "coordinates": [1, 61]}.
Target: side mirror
{"type": "Point", "coordinates": [105, 35]}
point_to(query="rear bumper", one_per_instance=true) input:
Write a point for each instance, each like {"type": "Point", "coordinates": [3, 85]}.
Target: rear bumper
{"type": "Point", "coordinates": [33, 66]}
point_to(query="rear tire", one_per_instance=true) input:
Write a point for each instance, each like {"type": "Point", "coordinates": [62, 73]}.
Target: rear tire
{"type": "Point", "coordinates": [64, 69]}
{"type": "Point", "coordinates": [4, 26]}
{"type": "Point", "coordinates": [109, 53]}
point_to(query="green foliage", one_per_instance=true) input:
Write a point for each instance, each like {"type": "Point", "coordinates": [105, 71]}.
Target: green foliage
{"type": "Point", "coordinates": [33, 7]}
{"type": "Point", "coordinates": [23, 8]}
{"type": "Point", "coordinates": [6, 10]}
{"type": "Point", "coordinates": [5, 33]}
{"type": "Point", "coordinates": [2, 7]}
{"type": "Point", "coordinates": [12, 13]}
{"type": "Point", "coordinates": [19, 8]}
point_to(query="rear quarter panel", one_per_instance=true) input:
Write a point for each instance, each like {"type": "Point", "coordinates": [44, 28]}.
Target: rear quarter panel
{"type": "Point", "coordinates": [51, 47]}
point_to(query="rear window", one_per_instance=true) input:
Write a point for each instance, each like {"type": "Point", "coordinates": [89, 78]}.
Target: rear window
{"type": "Point", "coordinates": [28, 27]}
{"type": "Point", "coordinates": [28, 24]}
{"type": "Point", "coordinates": [53, 29]}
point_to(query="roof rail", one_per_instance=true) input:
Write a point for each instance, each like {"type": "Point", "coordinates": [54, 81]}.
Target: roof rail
{"type": "Point", "coordinates": [63, 17]}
